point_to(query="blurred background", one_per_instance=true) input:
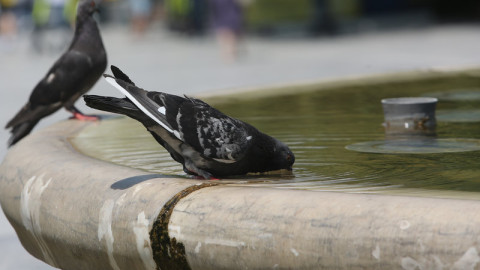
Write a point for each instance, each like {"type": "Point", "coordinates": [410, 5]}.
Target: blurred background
{"type": "Point", "coordinates": [267, 18]}
{"type": "Point", "coordinates": [200, 46]}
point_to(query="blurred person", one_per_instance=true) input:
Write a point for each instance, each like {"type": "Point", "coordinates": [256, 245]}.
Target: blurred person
{"type": "Point", "coordinates": [8, 20]}
{"type": "Point", "coordinates": [58, 17]}
{"type": "Point", "coordinates": [323, 22]}
{"type": "Point", "coordinates": [53, 24]}
{"type": "Point", "coordinates": [197, 17]}
{"type": "Point", "coordinates": [227, 19]}
{"type": "Point", "coordinates": [53, 13]}
{"type": "Point", "coordinates": [186, 16]}
{"type": "Point", "coordinates": [176, 12]}
{"type": "Point", "coordinates": [14, 17]}
{"type": "Point", "coordinates": [70, 11]}
{"type": "Point", "coordinates": [140, 15]}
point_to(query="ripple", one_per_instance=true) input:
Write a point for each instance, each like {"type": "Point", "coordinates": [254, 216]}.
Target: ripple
{"type": "Point", "coordinates": [471, 94]}
{"type": "Point", "coordinates": [458, 116]}
{"type": "Point", "coordinates": [416, 146]}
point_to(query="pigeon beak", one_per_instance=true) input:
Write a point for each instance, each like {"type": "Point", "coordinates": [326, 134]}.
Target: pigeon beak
{"type": "Point", "coordinates": [93, 7]}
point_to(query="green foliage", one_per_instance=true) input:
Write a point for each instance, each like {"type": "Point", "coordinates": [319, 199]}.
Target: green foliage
{"type": "Point", "coordinates": [269, 12]}
{"type": "Point", "coordinates": [177, 7]}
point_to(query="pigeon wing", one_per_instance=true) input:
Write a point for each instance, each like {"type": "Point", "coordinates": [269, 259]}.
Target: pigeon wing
{"type": "Point", "coordinates": [208, 131]}
{"type": "Point", "coordinates": [212, 133]}
{"type": "Point", "coordinates": [62, 81]}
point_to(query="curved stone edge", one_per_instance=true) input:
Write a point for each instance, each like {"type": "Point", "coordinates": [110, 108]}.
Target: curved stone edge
{"type": "Point", "coordinates": [76, 212]}
{"type": "Point", "coordinates": [256, 228]}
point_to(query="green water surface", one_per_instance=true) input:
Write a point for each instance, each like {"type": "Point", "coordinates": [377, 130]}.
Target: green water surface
{"type": "Point", "coordinates": [318, 125]}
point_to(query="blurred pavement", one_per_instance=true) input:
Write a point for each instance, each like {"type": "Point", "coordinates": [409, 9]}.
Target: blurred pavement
{"type": "Point", "coordinates": [163, 61]}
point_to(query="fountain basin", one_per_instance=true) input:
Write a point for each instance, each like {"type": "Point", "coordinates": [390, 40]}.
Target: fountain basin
{"type": "Point", "coordinates": [76, 211]}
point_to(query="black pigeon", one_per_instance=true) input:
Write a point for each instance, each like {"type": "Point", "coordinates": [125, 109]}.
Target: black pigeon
{"type": "Point", "coordinates": [72, 75]}
{"type": "Point", "coordinates": [207, 142]}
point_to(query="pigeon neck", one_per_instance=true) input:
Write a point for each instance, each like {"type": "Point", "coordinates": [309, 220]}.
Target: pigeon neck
{"type": "Point", "coordinates": [87, 35]}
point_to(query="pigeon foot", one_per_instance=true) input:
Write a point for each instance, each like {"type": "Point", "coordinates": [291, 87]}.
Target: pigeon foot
{"type": "Point", "coordinates": [83, 117]}
{"type": "Point", "coordinates": [190, 168]}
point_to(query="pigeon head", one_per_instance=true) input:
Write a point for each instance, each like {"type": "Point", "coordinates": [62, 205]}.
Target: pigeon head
{"type": "Point", "coordinates": [85, 9]}
{"type": "Point", "coordinates": [283, 157]}
{"type": "Point", "coordinates": [272, 155]}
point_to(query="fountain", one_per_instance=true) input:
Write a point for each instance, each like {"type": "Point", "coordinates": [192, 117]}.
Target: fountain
{"type": "Point", "coordinates": [81, 196]}
{"type": "Point", "coordinates": [410, 115]}
{"type": "Point", "coordinates": [410, 128]}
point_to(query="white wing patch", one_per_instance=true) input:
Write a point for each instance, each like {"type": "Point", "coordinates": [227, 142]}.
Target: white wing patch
{"type": "Point", "coordinates": [112, 81]}
{"type": "Point", "coordinates": [162, 110]}
{"type": "Point", "coordinates": [50, 77]}
{"type": "Point", "coordinates": [177, 134]}
{"type": "Point", "coordinates": [224, 160]}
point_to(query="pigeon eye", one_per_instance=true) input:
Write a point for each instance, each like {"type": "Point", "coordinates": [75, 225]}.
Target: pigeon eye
{"type": "Point", "coordinates": [289, 157]}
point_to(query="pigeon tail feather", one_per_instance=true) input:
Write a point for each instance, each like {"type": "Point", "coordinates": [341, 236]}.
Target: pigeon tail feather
{"type": "Point", "coordinates": [135, 98]}
{"type": "Point", "coordinates": [114, 105]}
{"type": "Point", "coordinates": [20, 131]}
{"type": "Point", "coordinates": [20, 117]}
{"type": "Point", "coordinates": [117, 73]}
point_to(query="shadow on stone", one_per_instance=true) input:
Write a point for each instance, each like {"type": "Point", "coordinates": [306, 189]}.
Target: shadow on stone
{"type": "Point", "coordinates": [131, 181]}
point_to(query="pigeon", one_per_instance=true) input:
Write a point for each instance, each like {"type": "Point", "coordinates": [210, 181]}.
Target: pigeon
{"type": "Point", "coordinates": [208, 143]}
{"type": "Point", "coordinates": [71, 76]}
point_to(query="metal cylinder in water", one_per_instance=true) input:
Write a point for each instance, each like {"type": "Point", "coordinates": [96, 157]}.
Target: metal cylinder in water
{"type": "Point", "coordinates": [409, 115]}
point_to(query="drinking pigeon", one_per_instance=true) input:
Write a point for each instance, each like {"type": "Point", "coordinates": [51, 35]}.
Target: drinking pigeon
{"type": "Point", "coordinates": [72, 75]}
{"type": "Point", "coordinates": [206, 142]}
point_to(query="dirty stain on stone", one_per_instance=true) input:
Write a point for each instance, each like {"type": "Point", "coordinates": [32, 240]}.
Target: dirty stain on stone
{"type": "Point", "coordinates": [404, 225]}
{"type": "Point", "coordinates": [167, 252]}
{"type": "Point", "coordinates": [376, 252]}
{"type": "Point", "coordinates": [197, 248]}
{"type": "Point", "coordinates": [105, 230]}
{"type": "Point", "coordinates": [140, 229]}
{"type": "Point", "coordinates": [223, 242]}
{"type": "Point", "coordinates": [30, 203]}
{"type": "Point", "coordinates": [409, 263]}
{"type": "Point", "coordinates": [468, 261]}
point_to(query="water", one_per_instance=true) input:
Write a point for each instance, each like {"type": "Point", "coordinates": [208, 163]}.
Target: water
{"type": "Point", "coordinates": [318, 126]}
{"type": "Point", "coordinates": [416, 145]}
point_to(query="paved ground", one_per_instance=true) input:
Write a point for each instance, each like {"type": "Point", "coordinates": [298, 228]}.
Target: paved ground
{"type": "Point", "coordinates": [167, 62]}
